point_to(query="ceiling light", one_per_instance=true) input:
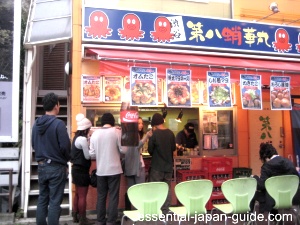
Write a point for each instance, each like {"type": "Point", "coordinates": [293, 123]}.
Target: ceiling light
{"type": "Point", "coordinates": [274, 7]}
{"type": "Point", "coordinates": [179, 116]}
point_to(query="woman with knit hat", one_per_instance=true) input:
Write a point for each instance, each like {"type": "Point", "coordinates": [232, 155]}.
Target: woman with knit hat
{"type": "Point", "coordinates": [81, 164]}
{"type": "Point", "coordinates": [161, 146]}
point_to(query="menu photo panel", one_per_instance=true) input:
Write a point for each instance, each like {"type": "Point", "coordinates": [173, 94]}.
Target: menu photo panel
{"type": "Point", "coordinates": [91, 87]}
{"type": "Point", "coordinates": [178, 84]}
{"type": "Point", "coordinates": [251, 95]}
{"type": "Point", "coordinates": [143, 84]}
{"type": "Point", "coordinates": [112, 89]}
{"type": "Point", "coordinates": [219, 89]}
{"type": "Point", "coordinates": [280, 93]}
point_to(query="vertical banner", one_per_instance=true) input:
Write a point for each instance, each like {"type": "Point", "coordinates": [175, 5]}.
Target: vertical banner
{"type": "Point", "coordinates": [143, 84]}
{"type": "Point", "coordinates": [280, 93]}
{"type": "Point", "coordinates": [251, 91]}
{"type": "Point", "coordinates": [178, 87]}
{"type": "Point", "coordinates": [126, 90]}
{"type": "Point", "coordinates": [195, 91]}
{"type": "Point", "coordinates": [91, 88]}
{"type": "Point", "coordinates": [219, 89]}
{"type": "Point", "coordinates": [112, 88]}
{"type": "Point", "coordinates": [203, 92]}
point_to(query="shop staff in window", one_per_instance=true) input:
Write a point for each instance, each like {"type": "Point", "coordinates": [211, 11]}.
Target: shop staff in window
{"type": "Point", "coordinates": [186, 138]}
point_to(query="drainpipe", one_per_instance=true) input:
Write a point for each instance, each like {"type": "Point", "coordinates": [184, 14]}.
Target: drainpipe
{"type": "Point", "coordinates": [26, 131]}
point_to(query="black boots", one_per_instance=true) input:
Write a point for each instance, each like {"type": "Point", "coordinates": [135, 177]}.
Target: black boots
{"type": "Point", "coordinates": [85, 221]}
{"type": "Point", "coordinates": [127, 203]}
{"type": "Point", "coordinates": [75, 217]}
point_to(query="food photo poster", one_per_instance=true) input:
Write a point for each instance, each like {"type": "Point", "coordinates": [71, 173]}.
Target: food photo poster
{"type": "Point", "coordinates": [178, 84]}
{"type": "Point", "coordinates": [219, 89]}
{"type": "Point", "coordinates": [280, 93]}
{"type": "Point", "coordinates": [143, 84]}
{"type": "Point", "coordinates": [251, 91]}
{"type": "Point", "coordinates": [91, 88]}
{"type": "Point", "coordinates": [112, 87]}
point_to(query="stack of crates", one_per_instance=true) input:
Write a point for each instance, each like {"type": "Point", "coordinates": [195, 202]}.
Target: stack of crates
{"type": "Point", "coordinates": [184, 175]}
{"type": "Point", "coordinates": [219, 169]}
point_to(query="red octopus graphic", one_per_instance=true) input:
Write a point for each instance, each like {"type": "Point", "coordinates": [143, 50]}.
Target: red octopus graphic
{"type": "Point", "coordinates": [281, 43]}
{"type": "Point", "coordinates": [162, 27]}
{"type": "Point", "coordinates": [131, 28]}
{"type": "Point", "coordinates": [98, 25]}
{"type": "Point", "coordinates": [298, 45]}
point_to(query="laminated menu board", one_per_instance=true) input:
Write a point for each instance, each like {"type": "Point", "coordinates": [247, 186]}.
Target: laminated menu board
{"type": "Point", "coordinates": [280, 93]}
{"type": "Point", "coordinates": [219, 89]}
{"type": "Point", "coordinates": [91, 88]}
{"type": "Point", "coordinates": [143, 84]}
{"type": "Point", "coordinates": [178, 88]}
{"type": "Point", "coordinates": [210, 141]}
{"type": "Point", "coordinates": [251, 91]}
{"type": "Point", "coordinates": [112, 86]}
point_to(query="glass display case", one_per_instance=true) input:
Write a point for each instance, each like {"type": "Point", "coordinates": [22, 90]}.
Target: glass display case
{"type": "Point", "coordinates": [217, 131]}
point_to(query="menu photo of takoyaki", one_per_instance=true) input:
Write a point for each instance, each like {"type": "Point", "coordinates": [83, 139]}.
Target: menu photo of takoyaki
{"type": "Point", "coordinates": [219, 95]}
{"type": "Point", "coordinates": [281, 98]}
{"type": "Point", "coordinates": [251, 98]}
{"type": "Point", "coordinates": [143, 93]}
{"type": "Point", "coordinates": [112, 89]}
{"type": "Point", "coordinates": [91, 88]}
{"type": "Point", "coordinates": [113, 92]}
{"type": "Point", "coordinates": [179, 94]}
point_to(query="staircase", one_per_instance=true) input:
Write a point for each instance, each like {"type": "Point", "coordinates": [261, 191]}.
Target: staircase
{"type": "Point", "coordinates": [34, 188]}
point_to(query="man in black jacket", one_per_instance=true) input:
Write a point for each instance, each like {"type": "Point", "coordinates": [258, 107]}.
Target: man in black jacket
{"type": "Point", "coordinates": [273, 165]}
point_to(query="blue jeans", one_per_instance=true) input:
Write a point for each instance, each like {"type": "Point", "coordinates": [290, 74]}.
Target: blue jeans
{"type": "Point", "coordinates": [52, 180]}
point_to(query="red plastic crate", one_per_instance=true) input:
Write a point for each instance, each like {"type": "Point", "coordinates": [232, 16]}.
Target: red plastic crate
{"type": "Point", "coordinates": [219, 178]}
{"type": "Point", "coordinates": [217, 164]}
{"type": "Point", "coordinates": [184, 175]}
{"type": "Point", "coordinates": [215, 199]}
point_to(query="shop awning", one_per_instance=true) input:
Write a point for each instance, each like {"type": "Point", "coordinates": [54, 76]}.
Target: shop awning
{"type": "Point", "coordinates": [116, 61]}
{"type": "Point", "coordinates": [49, 22]}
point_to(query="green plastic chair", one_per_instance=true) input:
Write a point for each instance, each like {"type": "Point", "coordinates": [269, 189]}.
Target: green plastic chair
{"type": "Point", "coordinates": [239, 193]}
{"type": "Point", "coordinates": [282, 189]}
{"type": "Point", "coordinates": [193, 195]}
{"type": "Point", "coordinates": [148, 199]}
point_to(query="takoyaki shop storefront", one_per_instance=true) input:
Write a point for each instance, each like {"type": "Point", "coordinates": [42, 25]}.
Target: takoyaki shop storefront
{"type": "Point", "coordinates": [236, 81]}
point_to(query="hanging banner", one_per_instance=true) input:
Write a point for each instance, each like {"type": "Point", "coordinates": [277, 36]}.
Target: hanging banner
{"type": "Point", "coordinates": [179, 88]}
{"type": "Point", "coordinates": [219, 89]}
{"type": "Point", "coordinates": [251, 91]}
{"type": "Point", "coordinates": [143, 84]}
{"type": "Point", "coordinates": [280, 93]}
{"type": "Point", "coordinates": [91, 88]}
{"type": "Point", "coordinates": [112, 88]}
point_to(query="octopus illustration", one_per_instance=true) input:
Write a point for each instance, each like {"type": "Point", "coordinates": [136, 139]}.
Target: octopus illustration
{"type": "Point", "coordinates": [298, 44]}
{"type": "Point", "coordinates": [131, 28]}
{"type": "Point", "coordinates": [98, 25]}
{"type": "Point", "coordinates": [281, 43]}
{"type": "Point", "coordinates": [162, 27]}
